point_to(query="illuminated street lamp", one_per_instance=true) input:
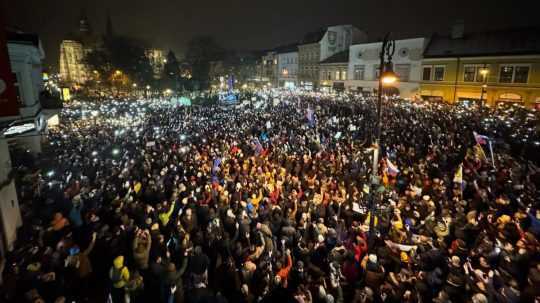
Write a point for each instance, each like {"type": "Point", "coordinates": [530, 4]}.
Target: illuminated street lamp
{"type": "Point", "coordinates": [118, 72]}
{"type": "Point", "coordinates": [148, 87]}
{"type": "Point", "coordinates": [387, 78]}
{"type": "Point", "coordinates": [134, 85]}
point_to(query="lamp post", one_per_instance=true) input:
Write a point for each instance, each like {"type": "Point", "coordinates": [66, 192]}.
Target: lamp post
{"type": "Point", "coordinates": [386, 77]}
{"type": "Point", "coordinates": [484, 72]}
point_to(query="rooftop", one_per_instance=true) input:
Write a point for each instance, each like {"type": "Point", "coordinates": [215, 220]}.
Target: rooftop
{"type": "Point", "coordinates": [314, 37]}
{"type": "Point", "coordinates": [519, 41]}
{"type": "Point", "coordinates": [341, 57]}
{"type": "Point", "coordinates": [290, 48]}
{"type": "Point", "coordinates": [23, 38]}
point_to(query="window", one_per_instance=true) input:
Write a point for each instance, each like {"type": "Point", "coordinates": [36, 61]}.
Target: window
{"type": "Point", "coordinates": [328, 75]}
{"type": "Point", "coordinates": [438, 73]}
{"type": "Point", "coordinates": [426, 73]}
{"type": "Point", "coordinates": [343, 75]}
{"type": "Point", "coordinates": [337, 75]}
{"type": "Point", "coordinates": [359, 71]}
{"type": "Point", "coordinates": [514, 74]}
{"type": "Point", "coordinates": [376, 72]}
{"type": "Point", "coordinates": [521, 74]}
{"type": "Point", "coordinates": [507, 74]}
{"type": "Point", "coordinates": [403, 71]}
{"type": "Point", "coordinates": [469, 73]}
{"type": "Point", "coordinates": [17, 88]}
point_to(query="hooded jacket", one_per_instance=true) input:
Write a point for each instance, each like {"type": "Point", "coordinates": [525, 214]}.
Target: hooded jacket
{"type": "Point", "coordinates": [119, 274]}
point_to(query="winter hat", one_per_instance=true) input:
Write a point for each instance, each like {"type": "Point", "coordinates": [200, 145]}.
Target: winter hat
{"type": "Point", "coordinates": [118, 262]}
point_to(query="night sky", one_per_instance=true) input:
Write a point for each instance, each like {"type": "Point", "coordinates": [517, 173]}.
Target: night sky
{"type": "Point", "coordinates": [258, 24]}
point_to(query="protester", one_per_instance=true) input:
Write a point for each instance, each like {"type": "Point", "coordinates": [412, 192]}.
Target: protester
{"type": "Point", "coordinates": [268, 202]}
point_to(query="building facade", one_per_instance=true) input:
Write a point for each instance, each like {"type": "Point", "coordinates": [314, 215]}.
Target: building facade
{"type": "Point", "coordinates": [72, 66]}
{"type": "Point", "coordinates": [288, 66]}
{"type": "Point", "coordinates": [321, 45]}
{"type": "Point", "coordinates": [23, 130]}
{"type": "Point", "coordinates": [364, 60]}
{"type": "Point", "coordinates": [157, 61]}
{"type": "Point", "coordinates": [269, 69]}
{"type": "Point", "coordinates": [73, 69]}
{"type": "Point", "coordinates": [333, 72]}
{"type": "Point", "coordinates": [498, 67]}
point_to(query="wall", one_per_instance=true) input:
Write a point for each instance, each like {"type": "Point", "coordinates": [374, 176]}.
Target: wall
{"type": "Point", "coordinates": [308, 63]}
{"type": "Point", "coordinates": [408, 53]}
{"type": "Point", "coordinates": [288, 61]}
{"type": "Point", "coordinates": [454, 87]}
{"type": "Point", "coordinates": [338, 38]}
{"type": "Point", "coordinates": [10, 214]}
{"type": "Point", "coordinates": [332, 68]}
{"type": "Point", "coordinates": [72, 68]}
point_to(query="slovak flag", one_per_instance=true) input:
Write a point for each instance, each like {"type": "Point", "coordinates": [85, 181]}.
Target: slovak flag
{"type": "Point", "coordinates": [391, 169]}
{"type": "Point", "coordinates": [480, 139]}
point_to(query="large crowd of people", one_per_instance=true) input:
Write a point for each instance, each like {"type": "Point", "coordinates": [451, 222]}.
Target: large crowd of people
{"type": "Point", "coordinates": [140, 201]}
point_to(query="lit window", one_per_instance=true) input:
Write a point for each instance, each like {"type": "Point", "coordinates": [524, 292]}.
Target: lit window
{"type": "Point", "coordinates": [343, 75]}
{"type": "Point", "coordinates": [359, 71]}
{"type": "Point", "coordinates": [337, 75]}
{"type": "Point", "coordinates": [507, 73]}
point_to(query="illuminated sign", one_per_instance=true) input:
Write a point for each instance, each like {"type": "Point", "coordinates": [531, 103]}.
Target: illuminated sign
{"type": "Point", "coordinates": [19, 129]}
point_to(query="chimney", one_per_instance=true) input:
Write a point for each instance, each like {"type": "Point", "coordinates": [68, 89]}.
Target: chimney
{"type": "Point", "coordinates": [458, 30]}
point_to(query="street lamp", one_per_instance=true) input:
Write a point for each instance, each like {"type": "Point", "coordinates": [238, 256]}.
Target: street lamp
{"type": "Point", "coordinates": [484, 71]}
{"type": "Point", "coordinates": [118, 72]}
{"type": "Point", "coordinates": [134, 85]}
{"type": "Point", "coordinates": [387, 77]}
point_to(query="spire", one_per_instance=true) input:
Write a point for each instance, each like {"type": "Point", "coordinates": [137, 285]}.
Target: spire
{"type": "Point", "coordinates": [109, 27]}
{"type": "Point", "coordinates": [84, 26]}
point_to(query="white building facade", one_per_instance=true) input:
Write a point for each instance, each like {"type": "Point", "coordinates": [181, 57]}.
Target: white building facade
{"type": "Point", "coordinates": [319, 46]}
{"type": "Point", "coordinates": [288, 67]}
{"type": "Point", "coordinates": [363, 75]}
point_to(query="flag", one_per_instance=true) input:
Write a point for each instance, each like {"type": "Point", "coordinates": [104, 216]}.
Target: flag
{"type": "Point", "coordinates": [479, 152]}
{"type": "Point", "coordinates": [258, 147]}
{"type": "Point", "coordinates": [310, 116]}
{"type": "Point", "coordinates": [480, 139]}
{"type": "Point", "coordinates": [458, 177]}
{"type": "Point", "coordinates": [217, 163]}
{"type": "Point", "coordinates": [391, 169]}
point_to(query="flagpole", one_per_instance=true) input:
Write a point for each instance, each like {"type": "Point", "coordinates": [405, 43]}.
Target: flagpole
{"type": "Point", "coordinates": [491, 151]}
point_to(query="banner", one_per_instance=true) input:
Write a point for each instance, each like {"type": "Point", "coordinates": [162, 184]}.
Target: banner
{"type": "Point", "coordinates": [8, 96]}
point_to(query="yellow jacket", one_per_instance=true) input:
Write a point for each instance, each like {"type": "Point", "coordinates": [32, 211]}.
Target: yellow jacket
{"type": "Point", "coordinates": [119, 273]}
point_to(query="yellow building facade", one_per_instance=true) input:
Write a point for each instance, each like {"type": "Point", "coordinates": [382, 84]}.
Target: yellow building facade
{"type": "Point", "coordinates": [495, 67]}
{"type": "Point", "coordinates": [504, 79]}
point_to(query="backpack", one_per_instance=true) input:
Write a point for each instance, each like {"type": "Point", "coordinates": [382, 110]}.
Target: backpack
{"type": "Point", "coordinates": [116, 275]}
